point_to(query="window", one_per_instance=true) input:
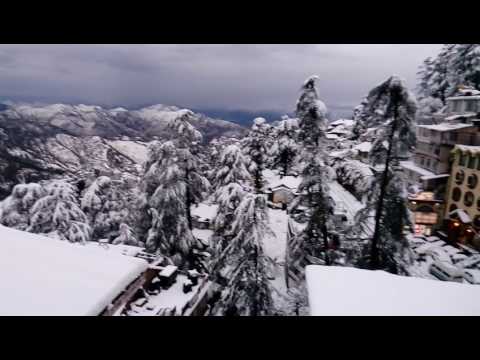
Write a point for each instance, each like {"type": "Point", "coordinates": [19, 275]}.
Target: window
{"type": "Point", "coordinates": [468, 198]}
{"type": "Point", "coordinates": [470, 106]}
{"type": "Point", "coordinates": [478, 204]}
{"type": "Point", "coordinates": [453, 136]}
{"type": "Point", "coordinates": [478, 164]}
{"type": "Point", "coordinates": [463, 159]}
{"type": "Point", "coordinates": [459, 177]}
{"type": "Point", "coordinates": [456, 194]}
{"type": "Point", "coordinates": [452, 207]}
{"type": "Point", "coordinates": [471, 161]}
{"type": "Point", "coordinates": [472, 181]}
{"type": "Point", "coordinates": [457, 105]}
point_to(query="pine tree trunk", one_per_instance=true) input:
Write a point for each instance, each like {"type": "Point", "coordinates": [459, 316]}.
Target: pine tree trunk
{"type": "Point", "coordinates": [188, 199]}
{"type": "Point", "coordinates": [325, 242]}
{"type": "Point", "coordinates": [258, 176]}
{"type": "Point", "coordinates": [374, 251]}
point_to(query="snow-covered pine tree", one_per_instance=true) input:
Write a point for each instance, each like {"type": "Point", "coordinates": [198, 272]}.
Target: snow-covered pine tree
{"type": "Point", "coordinates": [231, 168]}
{"type": "Point", "coordinates": [464, 67]}
{"type": "Point", "coordinates": [106, 207]}
{"type": "Point", "coordinates": [58, 214]}
{"type": "Point", "coordinates": [316, 173]}
{"type": "Point", "coordinates": [230, 180]}
{"type": "Point", "coordinates": [371, 112]}
{"type": "Point", "coordinates": [311, 114]}
{"type": "Point", "coordinates": [126, 236]}
{"type": "Point", "coordinates": [163, 201]}
{"type": "Point", "coordinates": [455, 65]}
{"type": "Point", "coordinates": [244, 263]}
{"type": "Point", "coordinates": [171, 183]}
{"type": "Point", "coordinates": [256, 145]}
{"type": "Point", "coordinates": [187, 141]}
{"type": "Point", "coordinates": [285, 148]}
{"type": "Point", "coordinates": [15, 209]}
{"type": "Point", "coordinates": [314, 190]}
{"type": "Point", "coordinates": [436, 76]}
{"type": "Point", "coordinates": [389, 196]}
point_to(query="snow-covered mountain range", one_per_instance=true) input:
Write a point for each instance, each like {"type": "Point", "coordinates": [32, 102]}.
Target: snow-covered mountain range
{"type": "Point", "coordinates": [60, 138]}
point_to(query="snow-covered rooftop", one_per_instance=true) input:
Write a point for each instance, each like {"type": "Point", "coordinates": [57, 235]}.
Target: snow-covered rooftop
{"type": "Point", "coordinates": [331, 136]}
{"type": "Point", "coordinates": [461, 214]}
{"type": "Point", "coordinates": [446, 126]}
{"type": "Point", "coordinates": [344, 291]}
{"type": "Point", "coordinates": [465, 115]}
{"type": "Point", "coordinates": [410, 165]}
{"type": "Point", "coordinates": [344, 122]}
{"type": "Point", "coordinates": [474, 150]}
{"type": "Point", "coordinates": [433, 177]}
{"type": "Point", "coordinates": [344, 199]}
{"type": "Point", "coordinates": [365, 146]}
{"type": "Point", "coordinates": [42, 276]}
{"type": "Point", "coordinates": [290, 182]}
{"type": "Point", "coordinates": [465, 97]}
{"type": "Point", "coordinates": [205, 211]}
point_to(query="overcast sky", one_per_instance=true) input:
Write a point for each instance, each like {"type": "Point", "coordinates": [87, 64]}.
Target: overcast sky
{"type": "Point", "coordinates": [229, 77]}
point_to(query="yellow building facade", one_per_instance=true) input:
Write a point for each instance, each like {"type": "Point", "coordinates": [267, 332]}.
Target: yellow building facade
{"type": "Point", "coordinates": [463, 193]}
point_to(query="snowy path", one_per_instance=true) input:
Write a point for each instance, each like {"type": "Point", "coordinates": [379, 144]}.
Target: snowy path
{"type": "Point", "coordinates": [275, 247]}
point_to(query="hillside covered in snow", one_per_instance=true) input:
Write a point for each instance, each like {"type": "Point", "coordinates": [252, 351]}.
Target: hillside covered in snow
{"type": "Point", "coordinates": [42, 141]}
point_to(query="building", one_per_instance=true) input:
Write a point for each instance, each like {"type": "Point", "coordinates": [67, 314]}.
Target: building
{"type": "Point", "coordinates": [41, 276]}
{"type": "Point", "coordinates": [462, 213]}
{"type": "Point", "coordinates": [427, 211]}
{"type": "Point", "coordinates": [284, 190]}
{"type": "Point", "coordinates": [203, 215]}
{"type": "Point", "coordinates": [344, 291]}
{"type": "Point", "coordinates": [427, 174]}
{"type": "Point", "coordinates": [362, 151]}
{"type": "Point", "coordinates": [457, 124]}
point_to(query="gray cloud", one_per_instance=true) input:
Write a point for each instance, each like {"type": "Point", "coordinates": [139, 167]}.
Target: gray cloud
{"type": "Point", "coordinates": [232, 77]}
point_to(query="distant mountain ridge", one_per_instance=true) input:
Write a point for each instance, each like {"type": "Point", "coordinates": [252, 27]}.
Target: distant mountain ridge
{"type": "Point", "coordinates": [67, 139]}
{"type": "Point", "coordinates": [245, 118]}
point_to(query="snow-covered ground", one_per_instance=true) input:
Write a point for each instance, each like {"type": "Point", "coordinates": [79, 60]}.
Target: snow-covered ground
{"type": "Point", "coordinates": [135, 150]}
{"type": "Point", "coordinates": [42, 276]}
{"type": "Point", "coordinates": [346, 291]}
{"type": "Point", "coordinates": [275, 246]}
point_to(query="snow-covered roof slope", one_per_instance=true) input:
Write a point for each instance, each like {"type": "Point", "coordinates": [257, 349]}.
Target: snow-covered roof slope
{"type": "Point", "coordinates": [365, 146]}
{"type": "Point", "coordinates": [204, 211]}
{"type": "Point", "coordinates": [410, 165]}
{"type": "Point", "coordinates": [290, 182]}
{"type": "Point", "coordinates": [445, 126]}
{"type": "Point", "coordinates": [344, 122]}
{"type": "Point", "coordinates": [462, 215]}
{"type": "Point", "coordinates": [343, 291]}
{"type": "Point", "coordinates": [474, 150]}
{"type": "Point", "coordinates": [331, 136]}
{"type": "Point", "coordinates": [344, 199]}
{"type": "Point", "coordinates": [42, 276]}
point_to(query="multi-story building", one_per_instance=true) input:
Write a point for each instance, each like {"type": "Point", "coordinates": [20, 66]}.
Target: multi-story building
{"type": "Point", "coordinates": [429, 170]}
{"type": "Point", "coordinates": [462, 213]}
